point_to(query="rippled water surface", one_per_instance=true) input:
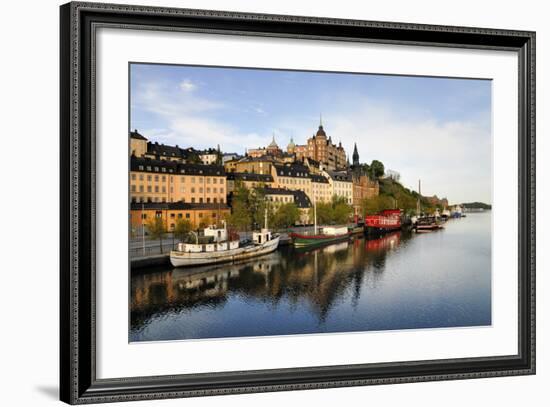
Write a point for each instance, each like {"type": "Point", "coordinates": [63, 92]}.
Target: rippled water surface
{"type": "Point", "coordinates": [400, 281]}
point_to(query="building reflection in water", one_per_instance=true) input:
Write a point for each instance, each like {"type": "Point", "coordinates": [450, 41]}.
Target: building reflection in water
{"type": "Point", "coordinates": [320, 276]}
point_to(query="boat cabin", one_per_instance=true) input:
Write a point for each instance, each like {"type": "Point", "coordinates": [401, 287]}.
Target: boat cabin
{"type": "Point", "coordinates": [261, 237]}
{"type": "Point", "coordinates": [219, 235]}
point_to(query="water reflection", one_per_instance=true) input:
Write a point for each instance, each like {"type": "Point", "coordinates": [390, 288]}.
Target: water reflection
{"type": "Point", "coordinates": [320, 276]}
{"type": "Point", "coordinates": [432, 280]}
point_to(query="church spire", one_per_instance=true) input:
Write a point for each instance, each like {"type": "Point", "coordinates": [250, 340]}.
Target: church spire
{"type": "Point", "coordinates": [355, 155]}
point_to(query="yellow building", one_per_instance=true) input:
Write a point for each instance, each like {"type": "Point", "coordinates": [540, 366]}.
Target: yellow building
{"type": "Point", "coordinates": [294, 177]}
{"type": "Point", "coordinates": [256, 165]}
{"type": "Point", "coordinates": [170, 181]}
{"type": "Point", "coordinates": [341, 184]}
{"type": "Point", "coordinates": [197, 214]}
{"type": "Point", "coordinates": [249, 180]}
{"type": "Point", "coordinates": [321, 190]}
{"type": "Point", "coordinates": [279, 196]}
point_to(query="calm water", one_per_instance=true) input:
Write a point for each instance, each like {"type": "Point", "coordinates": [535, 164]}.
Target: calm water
{"type": "Point", "coordinates": [400, 281]}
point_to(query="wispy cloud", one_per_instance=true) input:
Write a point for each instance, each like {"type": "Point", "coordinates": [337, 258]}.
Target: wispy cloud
{"type": "Point", "coordinates": [187, 85]}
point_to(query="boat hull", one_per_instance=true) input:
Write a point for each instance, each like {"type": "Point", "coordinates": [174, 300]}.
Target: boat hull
{"type": "Point", "coordinates": [305, 240]}
{"type": "Point", "coordinates": [188, 259]}
{"type": "Point", "coordinates": [378, 231]}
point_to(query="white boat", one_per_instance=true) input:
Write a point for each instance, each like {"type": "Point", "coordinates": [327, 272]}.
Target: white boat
{"type": "Point", "coordinates": [222, 250]}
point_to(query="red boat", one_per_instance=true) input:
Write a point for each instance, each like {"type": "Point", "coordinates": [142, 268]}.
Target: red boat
{"type": "Point", "coordinates": [384, 222]}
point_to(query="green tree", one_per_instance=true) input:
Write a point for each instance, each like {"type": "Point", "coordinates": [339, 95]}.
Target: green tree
{"type": "Point", "coordinates": [286, 216]}
{"type": "Point", "coordinates": [324, 213]}
{"type": "Point", "coordinates": [371, 206]}
{"type": "Point", "coordinates": [156, 229]}
{"type": "Point", "coordinates": [182, 229]}
{"type": "Point", "coordinates": [240, 217]}
{"type": "Point", "coordinates": [205, 222]}
{"type": "Point", "coordinates": [376, 169]}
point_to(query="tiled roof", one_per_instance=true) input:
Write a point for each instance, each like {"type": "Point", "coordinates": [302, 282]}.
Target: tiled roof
{"type": "Point", "coordinates": [248, 176]}
{"type": "Point", "coordinates": [151, 165]}
{"type": "Point", "coordinates": [292, 170]}
{"type": "Point", "coordinates": [135, 135]}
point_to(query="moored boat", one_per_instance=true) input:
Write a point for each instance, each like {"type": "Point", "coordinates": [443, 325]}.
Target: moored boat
{"type": "Point", "coordinates": [385, 221]}
{"type": "Point", "coordinates": [221, 247]}
{"type": "Point", "coordinates": [427, 224]}
{"type": "Point", "coordinates": [326, 234]}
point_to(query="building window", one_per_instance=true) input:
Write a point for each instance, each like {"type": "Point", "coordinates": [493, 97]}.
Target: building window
{"type": "Point", "coordinates": [200, 200]}
{"type": "Point", "coordinates": [163, 190]}
{"type": "Point", "coordinates": [221, 190]}
{"type": "Point", "coordinates": [156, 188]}
{"type": "Point", "coordinates": [187, 216]}
{"type": "Point", "coordinates": [141, 167]}
{"type": "Point", "coordinates": [143, 216]}
{"type": "Point", "coordinates": [193, 200]}
{"type": "Point", "coordinates": [133, 188]}
{"type": "Point", "coordinates": [207, 200]}
{"type": "Point", "coordinates": [158, 214]}
{"type": "Point", "coordinates": [193, 190]}
{"type": "Point", "coordinates": [200, 190]}
{"type": "Point", "coordinates": [149, 188]}
{"type": "Point", "coordinates": [200, 214]}
{"type": "Point", "coordinates": [156, 178]}
{"type": "Point", "coordinates": [172, 215]}
{"type": "Point", "coordinates": [207, 190]}
{"type": "Point", "coordinates": [215, 200]}
{"type": "Point", "coordinates": [133, 177]}
{"type": "Point", "coordinates": [208, 180]}
{"type": "Point", "coordinates": [180, 215]}
{"type": "Point", "coordinates": [141, 188]}
{"type": "Point", "coordinates": [164, 178]}
{"type": "Point", "coordinates": [215, 181]}
{"type": "Point", "coordinates": [141, 177]}
{"type": "Point", "coordinates": [221, 180]}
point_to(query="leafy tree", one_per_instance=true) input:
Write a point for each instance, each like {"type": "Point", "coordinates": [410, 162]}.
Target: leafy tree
{"type": "Point", "coordinates": [240, 217]}
{"type": "Point", "coordinates": [205, 221]}
{"type": "Point", "coordinates": [286, 216]}
{"type": "Point", "coordinates": [182, 229]}
{"type": "Point", "coordinates": [156, 229]}
{"type": "Point", "coordinates": [376, 169]}
{"type": "Point", "coordinates": [371, 206]}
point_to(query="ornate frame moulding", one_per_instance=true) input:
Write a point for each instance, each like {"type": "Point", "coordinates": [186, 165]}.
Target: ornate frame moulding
{"type": "Point", "coordinates": [79, 383]}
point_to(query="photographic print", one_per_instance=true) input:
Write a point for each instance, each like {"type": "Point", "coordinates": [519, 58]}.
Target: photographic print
{"type": "Point", "coordinates": [276, 202]}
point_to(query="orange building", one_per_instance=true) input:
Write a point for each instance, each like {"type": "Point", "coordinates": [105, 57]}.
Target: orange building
{"type": "Point", "coordinates": [170, 181]}
{"type": "Point", "coordinates": [196, 213]}
{"type": "Point", "coordinates": [322, 149]}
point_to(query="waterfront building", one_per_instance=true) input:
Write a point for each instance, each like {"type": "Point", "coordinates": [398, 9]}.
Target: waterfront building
{"type": "Point", "coordinates": [198, 214]}
{"type": "Point", "coordinates": [153, 180]}
{"type": "Point", "coordinates": [319, 147]}
{"type": "Point", "coordinates": [279, 196]}
{"type": "Point", "coordinates": [341, 184]}
{"type": "Point", "coordinates": [363, 187]}
{"type": "Point", "coordinates": [249, 180]}
{"type": "Point", "coordinates": [321, 190]}
{"type": "Point", "coordinates": [294, 177]}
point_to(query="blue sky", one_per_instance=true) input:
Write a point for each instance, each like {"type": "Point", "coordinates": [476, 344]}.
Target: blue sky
{"type": "Point", "coordinates": [434, 129]}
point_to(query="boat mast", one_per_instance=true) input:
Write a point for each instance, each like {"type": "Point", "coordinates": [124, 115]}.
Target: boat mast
{"type": "Point", "coordinates": [314, 217]}
{"type": "Point", "coordinates": [418, 201]}
{"type": "Point", "coordinates": [265, 215]}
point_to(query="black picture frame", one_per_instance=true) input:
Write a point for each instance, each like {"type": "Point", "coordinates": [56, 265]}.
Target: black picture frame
{"type": "Point", "coordinates": [78, 382]}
